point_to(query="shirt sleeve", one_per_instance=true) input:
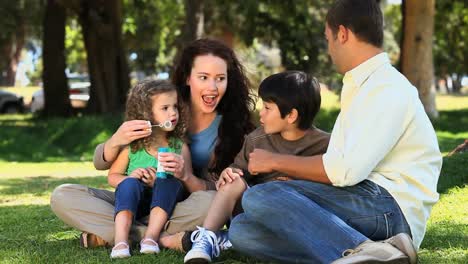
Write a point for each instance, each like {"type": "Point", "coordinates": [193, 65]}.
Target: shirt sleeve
{"type": "Point", "coordinates": [242, 158]}
{"type": "Point", "coordinates": [365, 135]}
{"type": "Point", "coordinates": [98, 159]}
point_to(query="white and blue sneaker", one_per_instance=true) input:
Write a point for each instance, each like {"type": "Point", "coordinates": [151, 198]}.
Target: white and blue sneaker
{"type": "Point", "coordinates": [204, 248]}
{"type": "Point", "coordinates": [223, 240]}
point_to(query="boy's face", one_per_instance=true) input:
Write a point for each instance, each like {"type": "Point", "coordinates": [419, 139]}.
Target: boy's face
{"type": "Point", "coordinates": [270, 118]}
{"type": "Point", "coordinates": [165, 109]}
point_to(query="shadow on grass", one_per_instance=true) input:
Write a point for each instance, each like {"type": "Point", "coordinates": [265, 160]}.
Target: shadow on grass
{"type": "Point", "coordinates": [33, 234]}
{"type": "Point", "coordinates": [57, 139]}
{"type": "Point", "coordinates": [454, 172]}
{"type": "Point", "coordinates": [43, 185]}
{"type": "Point", "coordinates": [455, 121]}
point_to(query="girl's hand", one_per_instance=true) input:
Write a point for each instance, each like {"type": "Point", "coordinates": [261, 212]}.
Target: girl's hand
{"type": "Point", "coordinates": [227, 176]}
{"type": "Point", "coordinates": [149, 177]}
{"type": "Point", "coordinates": [174, 163]}
{"type": "Point", "coordinates": [146, 175]}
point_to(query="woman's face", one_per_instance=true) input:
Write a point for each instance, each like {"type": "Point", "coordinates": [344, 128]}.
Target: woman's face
{"type": "Point", "coordinates": [208, 83]}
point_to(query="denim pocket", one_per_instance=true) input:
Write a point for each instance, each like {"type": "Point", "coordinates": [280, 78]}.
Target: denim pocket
{"type": "Point", "coordinates": [369, 187]}
{"type": "Point", "coordinates": [376, 227]}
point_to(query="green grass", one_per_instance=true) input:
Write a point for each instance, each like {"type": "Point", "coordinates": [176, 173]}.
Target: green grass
{"type": "Point", "coordinates": [38, 155]}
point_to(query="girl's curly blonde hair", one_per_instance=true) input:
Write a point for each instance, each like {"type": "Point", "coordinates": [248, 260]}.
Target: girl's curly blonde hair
{"type": "Point", "coordinates": [139, 106]}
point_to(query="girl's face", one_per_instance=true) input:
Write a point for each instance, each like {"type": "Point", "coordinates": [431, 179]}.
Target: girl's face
{"type": "Point", "coordinates": [165, 108]}
{"type": "Point", "coordinates": [208, 83]}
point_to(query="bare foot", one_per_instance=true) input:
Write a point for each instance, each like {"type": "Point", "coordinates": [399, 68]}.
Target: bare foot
{"type": "Point", "coordinates": [172, 241]}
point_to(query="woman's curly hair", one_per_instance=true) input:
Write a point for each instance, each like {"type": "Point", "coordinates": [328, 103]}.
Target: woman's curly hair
{"type": "Point", "coordinates": [235, 106]}
{"type": "Point", "coordinates": [139, 106]}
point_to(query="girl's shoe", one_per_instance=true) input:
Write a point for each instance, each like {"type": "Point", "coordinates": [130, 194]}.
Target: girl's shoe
{"type": "Point", "coordinates": [152, 248]}
{"type": "Point", "coordinates": [120, 253]}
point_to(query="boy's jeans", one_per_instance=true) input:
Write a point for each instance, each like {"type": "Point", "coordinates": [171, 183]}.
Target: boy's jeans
{"type": "Point", "coordinates": [308, 222]}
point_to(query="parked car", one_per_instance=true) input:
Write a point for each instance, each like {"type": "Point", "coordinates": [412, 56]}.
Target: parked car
{"type": "Point", "coordinates": [10, 103]}
{"type": "Point", "coordinates": [78, 92]}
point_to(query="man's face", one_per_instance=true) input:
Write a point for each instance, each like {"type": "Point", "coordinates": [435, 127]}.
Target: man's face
{"type": "Point", "coordinates": [336, 48]}
{"type": "Point", "coordinates": [332, 42]}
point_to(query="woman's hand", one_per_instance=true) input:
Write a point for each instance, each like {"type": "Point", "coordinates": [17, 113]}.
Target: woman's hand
{"type": "Point", "coordinates": [227, 176]}
{"type": "Point", "coordinates": [130, 131]}
{"type": "Point", "coordinates": [174, 163]}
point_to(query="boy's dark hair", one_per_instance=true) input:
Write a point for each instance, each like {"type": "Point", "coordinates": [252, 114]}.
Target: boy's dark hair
{"type": "Point", "coordinates": [293, 89]}
{"type": "Point", "coordinates": [363, 17]}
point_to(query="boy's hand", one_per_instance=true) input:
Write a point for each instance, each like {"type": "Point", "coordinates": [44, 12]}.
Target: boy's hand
{"type": "Point", "coordinates": [260, 161]}
{"type": "Point", "coordinates": [227, 176]}
{"type": "Point", "coordinates": [174, 163]}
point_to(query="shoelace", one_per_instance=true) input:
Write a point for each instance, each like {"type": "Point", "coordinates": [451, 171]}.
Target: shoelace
{"type": "Point", "coordinates": [203, 238]}
{"type": "Point", "coordinates": [223, 241]}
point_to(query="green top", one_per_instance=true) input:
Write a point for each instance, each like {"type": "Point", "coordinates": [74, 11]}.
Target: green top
{"type": "Point", "coordinates": [142, 159]}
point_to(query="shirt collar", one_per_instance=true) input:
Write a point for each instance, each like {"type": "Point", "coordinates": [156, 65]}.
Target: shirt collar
{"type": "Point", "coordinates": [360, 73]}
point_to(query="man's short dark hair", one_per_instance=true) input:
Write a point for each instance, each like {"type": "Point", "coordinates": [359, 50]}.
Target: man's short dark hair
{"type": "Point", "coordinates": [363, 17]}
{"type": "Point", "coordinates": [293, 89]}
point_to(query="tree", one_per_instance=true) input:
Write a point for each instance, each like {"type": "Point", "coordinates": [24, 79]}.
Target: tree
{"type": "Point", "coordinates": [450, 44]}
{"type": "Point", "coordinates": [416, 51]}
{"type": "Point", "coordinates": [18, 20]}
{"type": "Point", "coordinates": [57, 102]}
{"type": "Point", "coordinates": [150, 32]}
{"type": "Point", "coordinates": [107, 62]}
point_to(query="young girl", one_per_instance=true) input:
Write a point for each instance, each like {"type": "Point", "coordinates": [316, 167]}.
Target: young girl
{"type": "Point", "coordinates": [138, 193]}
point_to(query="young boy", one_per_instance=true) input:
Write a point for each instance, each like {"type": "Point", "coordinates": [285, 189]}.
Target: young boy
{"type": "Point", "coordinates": [290, 102]}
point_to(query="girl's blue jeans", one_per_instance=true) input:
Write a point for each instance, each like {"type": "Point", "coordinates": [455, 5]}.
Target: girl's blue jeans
{"type": "Point", "coordinates": [134, 195]}
{"type": "Point", "coordinates": [308, 222]}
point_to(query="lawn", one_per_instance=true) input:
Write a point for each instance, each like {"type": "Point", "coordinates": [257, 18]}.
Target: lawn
{"type": "Point", "coordinates": [38, 155]}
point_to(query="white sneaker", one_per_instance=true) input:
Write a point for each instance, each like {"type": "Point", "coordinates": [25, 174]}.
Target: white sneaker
{"type": "Point", "coordinates": [120, 253]}
{"type": "Point", "coordinates": [205, 246]}
{"type": "Point", "coordinates": [148, 248]}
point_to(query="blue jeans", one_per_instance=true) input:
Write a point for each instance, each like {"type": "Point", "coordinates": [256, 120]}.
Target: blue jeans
{"type": "Point", "coordinates": [308, 222]}
{"type": "Point", "coordinates": [133, 195]}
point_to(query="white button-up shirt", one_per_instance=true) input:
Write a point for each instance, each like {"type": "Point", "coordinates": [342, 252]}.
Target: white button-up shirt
{"type": "Point", "coordinates": [383, 134]}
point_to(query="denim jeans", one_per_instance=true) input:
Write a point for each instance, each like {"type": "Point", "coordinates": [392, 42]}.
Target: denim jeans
{"type": "Point", "coordinates": [133, 195]}
{"type": "Point", "coordinates": [307, 222]}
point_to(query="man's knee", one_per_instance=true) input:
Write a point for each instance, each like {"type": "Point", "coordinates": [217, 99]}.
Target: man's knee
{"type": "Point", "coordinates": [61, 196]}
{"type": "Point", "coordinates": [260, 197]}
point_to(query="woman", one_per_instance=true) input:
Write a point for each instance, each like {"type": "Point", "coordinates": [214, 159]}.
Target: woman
{"type": "Point", "coordinates": [212, 82]}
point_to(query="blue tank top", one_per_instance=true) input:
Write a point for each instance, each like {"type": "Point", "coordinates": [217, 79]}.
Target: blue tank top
{"type": "Point", "coordinates": [202, 146]}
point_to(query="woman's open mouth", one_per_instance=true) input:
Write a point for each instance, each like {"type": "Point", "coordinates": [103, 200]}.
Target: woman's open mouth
{"type": "Point", "coordinates": [209, 100]}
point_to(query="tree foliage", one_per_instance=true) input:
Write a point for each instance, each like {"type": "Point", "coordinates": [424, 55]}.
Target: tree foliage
{"type": "Point", "coordinates": [451, 39]}
{"type": "Point", "coordinates": [150, 31]}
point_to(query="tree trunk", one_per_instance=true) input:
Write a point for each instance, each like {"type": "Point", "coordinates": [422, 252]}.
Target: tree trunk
{"type": "Point", "coordinates": [56, 95]}
{"type": "Point", "coordinates": [101, 24]}
{"type": "Point", "coordinates": [11, 52]}
{"type": "Point", "coordinates": [416, 52]}
{"type": "Point", "coordinates": [194, 27]}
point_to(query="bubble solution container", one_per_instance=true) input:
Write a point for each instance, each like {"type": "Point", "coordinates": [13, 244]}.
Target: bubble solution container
{"type": "Point", "coordinates": [160, 172]}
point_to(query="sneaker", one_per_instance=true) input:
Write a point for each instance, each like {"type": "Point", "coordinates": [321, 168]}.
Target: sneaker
{"type": "Point", "coordinates": [404, 243]}
{"type": "Point", "coordinates": [120, 253]}
{"type": "Point", "coordinates": [205, 246]}
{"type": "Point", "coordinates": [223, 240]}
{"type": "Point", "coordinates": [373, 252]}
{"type": "Point", "coordinates": [152, 248]}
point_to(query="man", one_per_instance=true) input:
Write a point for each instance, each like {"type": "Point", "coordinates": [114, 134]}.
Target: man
{"type": "Point", "coordinates": [367, 199]}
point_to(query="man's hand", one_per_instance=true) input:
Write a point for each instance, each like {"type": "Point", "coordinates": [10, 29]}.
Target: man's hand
{"type": "Point", "coordinates": [174, 163]}
{"type": "Point", "coordinates": [227, 176]}
{"type": "Point", "coordinates": [260, 161]}
{"type": "Point", "coordinates": [130, 131]}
